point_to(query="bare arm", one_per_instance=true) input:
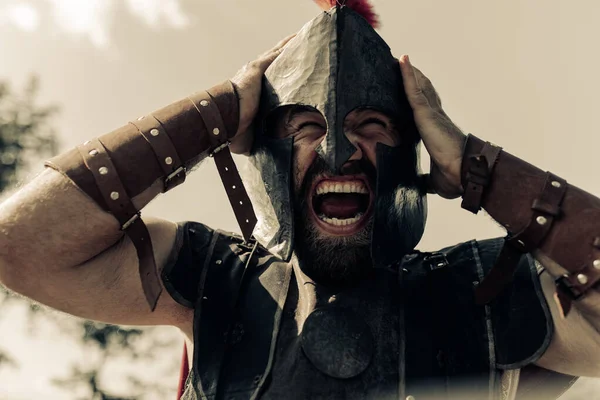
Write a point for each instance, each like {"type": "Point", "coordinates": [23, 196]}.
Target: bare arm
{"type": "Point", "coordinates": [59, 248]}
{"type": "Point", "coordinates": [60, 245]}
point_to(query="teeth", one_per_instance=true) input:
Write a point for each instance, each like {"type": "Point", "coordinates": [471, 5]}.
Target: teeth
{"type": "Point", "coordinates": [339, 187]}
{"type": "Point", "coordinates": [341, 222]}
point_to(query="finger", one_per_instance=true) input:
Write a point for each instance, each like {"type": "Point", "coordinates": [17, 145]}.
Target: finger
{"type": "Point", "coordinates": [267, 58]}
{"type": "Point", "coordinates": [428, 89]}
{"type": "Point", "coordinates": [414, 93]}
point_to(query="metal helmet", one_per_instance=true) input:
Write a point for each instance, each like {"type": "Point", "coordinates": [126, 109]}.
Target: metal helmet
{"type": "Point", "coordinates": [338, 63]}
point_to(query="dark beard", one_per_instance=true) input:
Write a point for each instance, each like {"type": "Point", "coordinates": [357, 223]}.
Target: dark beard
{"type": "Point", "coordinates": [330, 260]}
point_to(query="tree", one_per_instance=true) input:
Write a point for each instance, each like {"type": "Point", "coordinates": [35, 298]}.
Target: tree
{"type": "Point", "coordinates": [26, 135]}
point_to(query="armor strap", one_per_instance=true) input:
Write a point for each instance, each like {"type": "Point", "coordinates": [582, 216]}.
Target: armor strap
{"type": "Point", "coordinates": [479, 170]}
{"type": "Point", "coordinates": [546, 207]}
{"type": "Point", "coordinates": [540, 211]}
{"type": "Point", "coordinates": [127, 162]}
{"type": "Point", "coordinates": [119, 203]}
{"type": "Point", "coordinates": [164, 149]}
{"type": "Point", "coordinates": [230, 176]}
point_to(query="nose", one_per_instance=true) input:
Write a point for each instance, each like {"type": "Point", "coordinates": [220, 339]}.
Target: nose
{"type": "Point", "coordinates": [356, 142]}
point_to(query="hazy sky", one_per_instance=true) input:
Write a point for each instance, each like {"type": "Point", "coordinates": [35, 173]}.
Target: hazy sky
{"type": "Point", "coordinates": [522, 74]}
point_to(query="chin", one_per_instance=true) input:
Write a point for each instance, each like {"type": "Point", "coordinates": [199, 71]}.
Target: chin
{"type": "Point", "coordinates": [334, 259]}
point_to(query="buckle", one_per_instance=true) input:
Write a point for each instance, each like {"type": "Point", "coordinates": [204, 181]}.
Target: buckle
{"type": "Point", "coordinates": [131, 220]}
{"type": "Point", "coordinates": [436, 261]}
{"type": "Point", "coordinates": [567, 288]}
{"type": "Point", "coordinates": [219, 148]}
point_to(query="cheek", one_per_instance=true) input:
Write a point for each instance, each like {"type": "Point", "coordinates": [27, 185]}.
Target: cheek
{"type": "Point", "coordinates": [303, 159]}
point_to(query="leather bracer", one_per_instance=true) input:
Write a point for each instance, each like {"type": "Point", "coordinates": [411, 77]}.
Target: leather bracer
{"type": "Point", "coordinates": [540, 211]}
{"type": "Point", "coordinates": [151, 155]}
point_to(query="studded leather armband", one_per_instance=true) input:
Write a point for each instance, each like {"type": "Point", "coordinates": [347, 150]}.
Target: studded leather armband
{"type": "Point", "coordinates": [158, 149]}
{"type": "Point", "coordinates": [540, 211]}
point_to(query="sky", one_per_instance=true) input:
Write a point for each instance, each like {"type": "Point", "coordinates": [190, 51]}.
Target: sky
{"type": "Point", "coordinates": [520, 74]}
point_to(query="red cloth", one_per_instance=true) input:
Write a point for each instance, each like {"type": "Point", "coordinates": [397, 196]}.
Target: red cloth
{"type": "Point", "coordinates": [183, 372]}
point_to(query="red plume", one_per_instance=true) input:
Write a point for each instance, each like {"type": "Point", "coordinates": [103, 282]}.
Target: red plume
{"type": "Point", "coordinates": [361, 7]}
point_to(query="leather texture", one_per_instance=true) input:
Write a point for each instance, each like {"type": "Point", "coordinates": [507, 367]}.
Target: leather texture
{"type": "Point", "coordinates": [510, 199]}
{"type": "Point", "coordinates": [120, 165]}
{"type": "Point", "coordinates": [448, 340]}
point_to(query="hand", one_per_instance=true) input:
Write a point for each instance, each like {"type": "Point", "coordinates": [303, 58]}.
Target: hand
{"type": "Point", "coordinates": [248, 83]}
{"type": "Point", "coordinates": [443, 140]}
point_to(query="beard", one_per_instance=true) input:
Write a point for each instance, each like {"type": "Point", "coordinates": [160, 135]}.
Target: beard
{"type": "Point", "coordinates": [331, 260]}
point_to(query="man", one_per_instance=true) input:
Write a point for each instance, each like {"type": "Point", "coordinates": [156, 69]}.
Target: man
{"type": "Point", "coordinates": [334, 302]}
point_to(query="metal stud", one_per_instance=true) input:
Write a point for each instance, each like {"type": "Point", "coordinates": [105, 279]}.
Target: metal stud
{"type": "Point", "coordinates": [218, 262]}
{"type": "Point", "coordinates": [86, 142]}
{"type": "Point", "coordinates": [241, 203]}
{"type": "Point", "coordinates": [596, 264]}
{"type": "Point", "coordinates": [154, 132]}
{"type": "Point", "coordinates": [141, 118]}
{"type": "Point", "coordinates": [233, 187]}
{"type": "Point", "coordinates": [168, 161]}
{"type": "Point", "coordinates": [583, 279]}
{"type": "Point", "coordinates": [247, 221]}
{"type": "Point", "coordinates": [556, 184]}
{"type": "Point", "coordinates": [204, 103]}
{"type": "Point", "coordinates": [541, 220]}
{"type": "Point", "coordinates": [93, 152]}
{"type": "Point", "coordinates": [216, 131]}
{"type": "Point", "coordinates": [114, 195]}
{"type": "Point", "coordinates": [103, 170]}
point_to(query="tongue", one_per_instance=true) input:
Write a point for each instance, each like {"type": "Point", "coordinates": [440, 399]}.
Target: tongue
{"type": "Point", "coordinates": [341, 206]}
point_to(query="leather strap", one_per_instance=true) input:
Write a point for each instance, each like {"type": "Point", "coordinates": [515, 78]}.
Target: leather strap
{"type": "Point", "coordinates": [230, 176]}
{"type": "Point", "coordinates": [546, 208]}
{"type": "Point", "coordinates": [119, 203]}
{"type": "Point", "coordinates": [574, 285]}
{"type": "Point", "coordinates": [480, 169]}
{"type": "Point", "coordinates": [164, 149]}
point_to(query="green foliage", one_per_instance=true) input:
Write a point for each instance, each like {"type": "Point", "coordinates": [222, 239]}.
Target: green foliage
{"type": "Point", "coordinates": [25, 130]}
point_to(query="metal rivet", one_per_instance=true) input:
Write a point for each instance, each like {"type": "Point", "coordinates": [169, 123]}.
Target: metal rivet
{"type": "Point", "coordinates": [233, 187]}
{"type": "Point", "coordinates": [541, 220]}
{"type": "Point", "coordinates": [114, 195]}
{"type": "Point", "coordinates": [86, 142]}
{"type": "Point", "coordinates": [94, 152]}
{"type": "Point", "coordinates": [154, 132]}
{"type": "Point", "coordinates": [241, 203]}
{"type": "Point", "coordinates": [216, 131]}
{"type": "Point", "coordinates": [475, 283]}
{"type": "Point", "coordinates": [226, 169]}
{"type": "Point", "coordinates": [556, 184]}
{"type": "Point", "coordinates": [247, 221]}
{"type": "Point", "coordinates": [218, 262]}
{"type": "Point", "coordinates": [141, 118]}
{"type": "Point", "coordinates": [103, 170]}
{"type": "Point", "coordinates": [582, 279]}
{"type": "Point", "coordinates": [521, 242]}
{"type": "Point", "coordinates": [168, 161]}
{"type": "Point", "coordinates": [596, 264]}
{"type": "Point", "coordinates": [204, 103]}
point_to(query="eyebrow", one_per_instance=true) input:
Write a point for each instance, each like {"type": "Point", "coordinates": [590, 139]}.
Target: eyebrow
{"type": "Point", "coordinates": [297, 110]}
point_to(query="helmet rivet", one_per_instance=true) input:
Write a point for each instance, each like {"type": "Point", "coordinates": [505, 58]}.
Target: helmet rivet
{"type": "Point", "coordinates": [541, 220]}
{"type": "Point", "coordinates": [154, 132]}
{"type": "Point", "coordinates": [168, 161]}
{"type": "Point", "coordinates": [93, 152]}
{"type": "Point", "coordinates": [216, 131]}
{"type": "Point", "coordinates": [204, 103]}
{"type": "Point", "coordinates": [114, 195]}
{"type": "Point", "coordinates": [582, 279]}
{"type": "Point", "coordinates": [103, 170]}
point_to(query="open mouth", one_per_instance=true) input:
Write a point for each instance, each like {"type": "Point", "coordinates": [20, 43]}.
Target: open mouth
{"type": "Point", "coordinates": [341, 206]}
